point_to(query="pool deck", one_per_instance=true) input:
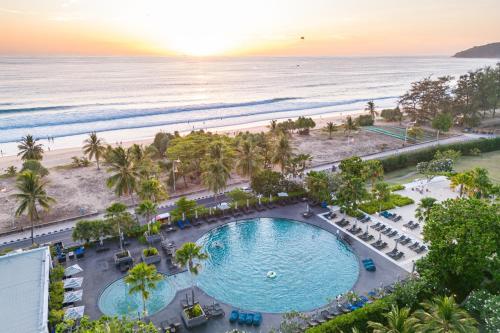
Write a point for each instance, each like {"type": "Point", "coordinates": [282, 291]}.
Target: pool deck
{"type": "Point", "coordinates": [100, 271]}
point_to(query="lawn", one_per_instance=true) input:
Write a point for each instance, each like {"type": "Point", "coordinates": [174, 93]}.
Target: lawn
{"type": "Point", "coordinates": [489, 161]}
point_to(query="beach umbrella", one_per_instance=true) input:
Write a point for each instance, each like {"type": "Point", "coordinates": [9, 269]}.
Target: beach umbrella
{"type": "Point", "coordinates": [72, 270]}
{"type": "Point", "coordinates": [248, 203]}
{"type": "Point", "coordinates": [236, 205]}
{"type": "Point", "coordinates": [307, 208]}
{"type": "Point", "coordinates": [196, 213]}
{"type": "Point", "coordinates": [192, 294]}
{"type": "Point", "coordinates": [74, 312]}
{"type": "Point", "coordinates": [223, 206]}
{"type": "Point", "coordinates": [270, 197]}
{"type": "Point", "coordinates": [396, 246]}
{"type": "Point", "coordinates": [183, 216]}
{"type": "Point", "coordinates": [73, 283]}
{"type": "Point", "coordinates": [380, 235]}
{"type": "Point", "coordinates": [210, 210]}
{"type": "Point", "coordinates": [73, 296]}
{"type": "Point", "coordinates": [366, 228]}
{"type": "Point", "coordinates": [259, 200]}
{"type": "Point", "coordinates": [282, 194]}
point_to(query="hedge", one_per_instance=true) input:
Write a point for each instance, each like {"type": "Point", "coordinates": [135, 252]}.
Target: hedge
{"type": "Point", "coordinates": [358, 318]}
{"type": "Point", "coordinates": [400, 200]}
{"type": "Point", "coordinates": [404, 160]}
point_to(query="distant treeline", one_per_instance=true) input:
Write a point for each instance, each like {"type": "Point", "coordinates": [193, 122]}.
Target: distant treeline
{"type": "Point", "coordinates": [474, 95]}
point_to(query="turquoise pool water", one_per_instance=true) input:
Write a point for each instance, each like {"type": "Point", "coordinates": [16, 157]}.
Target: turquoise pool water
{"type": "Point", "coordinates": [115, 300]}
{"type": "Point", "coordinates": [310, 265]}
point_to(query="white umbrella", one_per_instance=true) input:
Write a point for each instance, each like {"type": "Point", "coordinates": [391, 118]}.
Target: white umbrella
{"type": "Point", "coordinates": [236, 205]}
{"type": "Point", "coordinates": [72, 270]}
{"type": "Point", "coordinates": [73, 283]}
{"type": "Point", "coordinates": [74, 312]}
{"type": "Point", "coordinates": [73, 296]}
{"type": "Point", "coordinates": [260, 201]}
{"type": "Point", "coordinates": [248, 203]}
{"type": "Point", "coordinates": [196, 213]}
{"type": "Point", "coordinates": [282, 194]}
{"type": "Point", "coordinates": [210, 210]}
{"type": "Point", "coordinates": [183, 216]}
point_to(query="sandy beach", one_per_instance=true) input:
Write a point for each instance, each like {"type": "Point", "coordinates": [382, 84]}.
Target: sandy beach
{"type": "Point", "coordinates": [82, 190]}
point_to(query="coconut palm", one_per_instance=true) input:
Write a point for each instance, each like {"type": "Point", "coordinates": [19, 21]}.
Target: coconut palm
{"type": "Point", "coordinates": [94, 147]}
{"type": "Point", "coordinates": [370, 107]}
{"type": "Point", "coordinates": [273, 126]}
{"type": "Point", "coordinates": [330, 128]}
{"type": "Point", "coordinates": [282, 152]}
{"type": "Point", "coordinates": [141, 279]}
{"type": "Point", "coordinates": [424, 208]}
{"type": "Point", "coordinates": [31, 194]}
{"type": "Point", "coordinates": [480, 183]}
{"type": "Point", "coordinates": [349, 126]}
{"type": "Point", "coordinates": [217, 167]}
{"type": "Point", "coordinates": [249, 160]}
{"type": "Point", "coordinates": [382, 193]}
{"type": "Point", "coordinates": [442, 315]}
{"type": "Point", "coordinates": [374, 171]}
{"type": "Point", "coordinates": [146, 209]}
{"type": "Point", "coordinates": [124, 178]}
{"type": "Point", "coordinates": [398, 321]}
{"type": "Point", "coordinates": [118, 216]}
{"type": "Point", "coordinates": [190, 255]}
{"type": "Point", "coordinates": [460, 180]}
{"type": "Point", "coordinates": [152, 189]}
{"type": "Point", "coordinates": [29, 149]}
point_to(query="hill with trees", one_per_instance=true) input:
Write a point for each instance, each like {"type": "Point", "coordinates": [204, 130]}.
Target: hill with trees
{"type": "Point", "coordinates": [491, 50]}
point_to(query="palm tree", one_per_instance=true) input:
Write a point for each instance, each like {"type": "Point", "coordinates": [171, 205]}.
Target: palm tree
{"type": "Point", "coordinates": [370, 107]}
{"type": "Point", "coordinates": [374, 171]}
{"type": "Point", "coordinates": [330, 128]}
{"type": "Point", "coordinates": [190, 255]}
{"type": "Point", "coordinates": [424, 208]}
{"type": "Point", "coordinates": [117, 214]}
{"type": "Point", "coordinates": [349, 126]}
{"type": "Point", "coordinates": [94, 147]}
{"type": "Point", "coordinates": [480, 183]}
{"type": "Point", "coordinates": [381, 193]}
{"type": "Point", "coordinates": [217, 167]}
{"type": "Point", "coordinates": [273, 126]}
{"type": "Point", "coordinates": [398, 321]}
{"type": "Point", "coordinates": [442, 315]}
{"type": "Point", "coordinates": [141, 279]}
{"type": "Point", "coordinates": [31, 194]}
{"type": "Point", "coordinates": [282, 152]}
{"type": "Point", "coordinates": [147, 208]}
{"type": "Point", "coordinates": [460, 180]}
{"type": "Point", "coordinates": [249, 159]}
{"type": "Point", "coordinates": [152, 189]}
{"type": "Point", "coordinates": [124, 178]}
{"type": "Point", "coordinates": [29, 149]}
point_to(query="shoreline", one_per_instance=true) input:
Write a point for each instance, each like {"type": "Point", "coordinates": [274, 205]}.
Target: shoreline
{"type": "Point", "coordinates": [62, 156]}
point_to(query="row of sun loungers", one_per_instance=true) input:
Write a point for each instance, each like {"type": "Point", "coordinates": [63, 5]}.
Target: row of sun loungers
{"type": "Point", "coordinates": [245, 318]}
{"type": "Point", "coordinates": [391, 216]}
{"type": "Point", "coordinates": [411, 225]}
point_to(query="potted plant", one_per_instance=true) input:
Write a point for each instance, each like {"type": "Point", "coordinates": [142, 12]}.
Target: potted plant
{"type": "Point", "coordinates": [153, 234]}
{"type": "Point", "coordinates": [193, 316]}
{"type": "Point", "coordinates": [123, 257]}
{"type": "Point", "coordinates": [150, 256]}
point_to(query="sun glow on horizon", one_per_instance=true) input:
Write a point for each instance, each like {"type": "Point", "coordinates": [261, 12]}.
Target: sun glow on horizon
{"type": "Point", "coordinates": [242, 27]}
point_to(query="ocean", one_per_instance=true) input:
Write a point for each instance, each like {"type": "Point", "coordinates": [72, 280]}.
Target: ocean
{"type": "Point", "coordinates": [132, 98]}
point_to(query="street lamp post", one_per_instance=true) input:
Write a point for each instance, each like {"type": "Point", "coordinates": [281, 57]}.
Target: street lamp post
{"type": "Point", "coordinates": [174, 170]}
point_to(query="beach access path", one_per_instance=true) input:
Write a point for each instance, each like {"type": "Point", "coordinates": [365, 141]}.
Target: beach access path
{"type": "Point", "coordinates": [62, 231]}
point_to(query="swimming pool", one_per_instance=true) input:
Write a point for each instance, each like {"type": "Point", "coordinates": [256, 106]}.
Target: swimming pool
{"type": "Point", "coordinates": [275, 265]}
{"type": "Point", "coordinates": [115, 300]}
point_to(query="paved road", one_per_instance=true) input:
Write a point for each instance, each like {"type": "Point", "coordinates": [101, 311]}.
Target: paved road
{"type": "Point", "coordinates": [62, 231]}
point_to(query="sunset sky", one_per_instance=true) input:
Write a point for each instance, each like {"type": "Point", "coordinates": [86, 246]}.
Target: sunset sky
{"type": "Point", "coordinates": [252, 27]}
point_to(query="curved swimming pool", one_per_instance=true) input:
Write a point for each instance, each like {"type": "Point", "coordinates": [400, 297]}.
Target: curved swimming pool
{"type": "Point", "coordinates": [275, 265]}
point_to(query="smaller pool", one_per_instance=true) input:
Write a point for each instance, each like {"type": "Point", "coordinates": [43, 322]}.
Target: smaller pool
{"type": "Point", "coordinates": [115, 300]}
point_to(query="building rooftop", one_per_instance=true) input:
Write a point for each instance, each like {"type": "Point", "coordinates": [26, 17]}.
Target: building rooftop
{"type": "Point", "coordinates": [24, 291]}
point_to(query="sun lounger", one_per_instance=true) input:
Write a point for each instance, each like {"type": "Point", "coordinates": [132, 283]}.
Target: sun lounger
{"type": "Point", "coordinates": [398, 256]}
{"type": "Point", "coordinates": [414, 246]}
{"type": "Point", "coordinates": [187, 224]}
{"type": "Point", "coordinates": [408, 225]}
{"type": "Point", "coordinates": [260, 208]}
{"type": "Point", "coordinates": [376, 225]}
{"type": "Point", "coordinates": [249, 319]}
{"type": "Point", "coordinates": [393, 252]}
{"type": "Point", "coordinates": [307, 214]}
{"type": "Point", "coordinates": [397, 218]}
{"type": "Point", "coordinates": [382, 227]}
{"type": "Point", "coordinates": [415, 226]}
{"type": "Point", "coordinates": [381, 246]}
{"type": "Point", "coordinates": [327, 315]}
{"type": "Point", "coordinates": [387, 231]}
{"type": "Point", "coordinates": [234, 316]}
{"type": "Point", "coordinates": [401, 238]}
{"type": "Point", "coordinates": [242, 318]}
{"type": "Point", "coordinates": [257, 319]}
{"type": "Point", "coordinates": [421, 249]}
{"type": "Point", "coordinates": [406, 241]}
{"type": "Point", "coordinates": [392, 234]}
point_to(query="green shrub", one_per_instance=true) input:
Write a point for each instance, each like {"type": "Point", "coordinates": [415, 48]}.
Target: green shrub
{"type": "Point", "coordinates": [56, 295]}
{"type": "Point", "coordinates": [401, 161]}
{"type": "Point", "coordinates": [364, 120]}
{"type": "Point", "coordinates": [391, 114]}
{"type": "Point", "coordinates": [357, 319]}
{"type": "Point", "coordinates": [371, 207]}
{"type": "Point", "coordinates": [194, 311]}
{"type": "Point", "coordinates": [486, 308]}
{"type": "Point", "coordinates": [400, 200]}
{"type": "Point", "coordinates": [397, 187]}
{"type": "Point", "coordinates": [150, 251]}
{"type": "Point", "coordinates": [57, 273]}
{"type": "Point", "coordinates": [55, 317]}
